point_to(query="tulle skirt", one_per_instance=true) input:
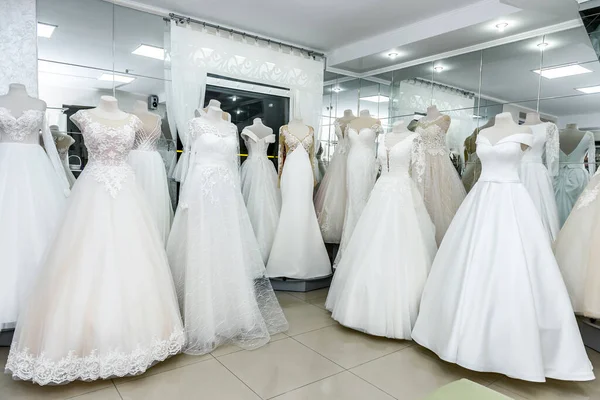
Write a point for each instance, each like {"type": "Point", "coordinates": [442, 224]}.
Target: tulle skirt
{"type": "Point", "coordinates": [263, 200]}
{"type": "Point", "coordinates": [32, 203]}
{"type": "Point", "coordinates": [378, 284]}
{"type": "Point", "coordinates": [151, 175]}
{"type": "Point", "coordinates": [568, 185]}
{"type": "Point", "coordinates": [536, 179]}
{"type": "Point", "coordinates": [330, 200]}
{"type": "Point", "coordinates": [219, 274]}
{"type": "Point", "coordinates": [298, 250]}
{"type": "Point", "coordinates": [578, 254]}
{"type": "Point", "coordinates": [495, 300]}
{"type": "Point", "coordinates": [104, 304]}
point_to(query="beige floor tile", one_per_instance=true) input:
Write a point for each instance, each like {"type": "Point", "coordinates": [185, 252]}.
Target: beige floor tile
{"type": "Point", "coordinates": [347, 347]}
{"type": "Point", "coordinates": [552, 389]}
{"type": "Point", "coordinates": [344, 386]}
{"type": "Point", "coordinates": [231, 348]}
{"type": "Point", "coordinates": [178, 361]}
{"type": "Point", "coordinates": [305, 318]}
{"type": "Point", "coordinates": [310, 295]}
{"type": "Point", "coordinates": [279, 367]}
{"type": "Point", "coordinates": [286, 300]}
{"type": "Point", "coordinates": [410, 374]}
{"type": "Point", "coordinates": [204, 380]}
{"type": "Point", "coordinates": [109, 393]}
{"type": "Point", "coordinates": [506, 392]}
{"type": "Point", "coordinates": [318, 302]}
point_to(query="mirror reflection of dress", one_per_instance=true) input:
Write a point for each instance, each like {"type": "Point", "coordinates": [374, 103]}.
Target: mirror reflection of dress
{"type": "Point", "coordinates": [437, 178]}
{"type": "Point", "coordinates": [104, 304]}
{"type": "Point", "coordinates": [298, 250]}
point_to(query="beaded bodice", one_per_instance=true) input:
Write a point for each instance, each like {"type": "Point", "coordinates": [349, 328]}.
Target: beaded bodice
{"type": "Point", "coordinates": [257, 147]}
{"type": "Point", "coordinates": [24, 129]}
{"type": "Point", "coordinates": [432, 135]}
{"type": "Point", "coordinates": [147, 139]}
{"type": "Point", "coordinates": [288, 143]}
{"type": "Point", "coordinates": [343, 143]}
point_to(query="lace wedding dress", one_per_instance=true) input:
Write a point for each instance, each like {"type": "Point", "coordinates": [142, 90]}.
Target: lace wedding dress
{"type": "Point", "coordinates": [378, 284]}
{"type": "Point", "coordinates": [260, 191]}
{"type": "Point", "coordinates": [495, 300]}
{"type": "Point", "coordinates": [32, 200]}
{"type": "Point", "coordinates": [361, 174]}
{"type": "Point", "coordinates": [577, 252]}
{"type": "Point", "coordinates": [298, 250]}
{"type": "Point", "coordinates": [536, 176]}
{"type": "Point", "coordinates": [572, 176]}
{"type": "Point", "coordinates": [224, 295]}
{"type": "Point", "coordinates": [151, 175]}
{"type": "Point", "coordinates": [330, 200]}
{"type": "Point", "coordinates": [436, 177]}
{"type": "Point", "coordinates": [103, 304]}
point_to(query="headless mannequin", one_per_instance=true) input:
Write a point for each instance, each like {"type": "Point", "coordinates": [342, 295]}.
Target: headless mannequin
{"type": "Point", "coordinates": [432, 113]}
{"type": "Point", "coordinates": [17, 101]}
{"type": "Point", "coordinates": [108, 109]}
{"type": "Point", "coordinates": [259, 129]}
{"type": "Point", "coordinates": [504, 126]}
{"type": "Point", "coordinates": [62, 140]}
{"type": "Point", "coordinates": [216, 104]}
{"type": "Point", "coordinates": [364, 121]}
{"type": "Point", "coordinates": [215, 116]}
{"type": "Point", "coordinates": [150, 120]}
{"type": "Point", "coordinates": [533, 118]}
{"type": "Point", "coordinates": [298, 128]}
{"type": "Point", "coordinates": [570, 137]}
{"type": "Point", "coordinates": [345, 120]}
{"type": "Point", "coordinates": [398, 133]}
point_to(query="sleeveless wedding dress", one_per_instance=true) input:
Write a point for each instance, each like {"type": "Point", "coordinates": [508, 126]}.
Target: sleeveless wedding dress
{"type": "Point", "coordinates": [536, 176]}
{"type": "Point", "coordinates": [260, 191]}
{"type": "Point", "coordinates": [298, 250]}
{"type": "Point", "coordinates": [495, 300]}
{"type": "Point", "coordinates": [437, 178]}
{"type": "Point", "coordinates": [378, 284]}
{"type": "Point", "coordinates": [151, 175]}
{"type": "Point", "coordinates": [104, 304]}
{"type": "Point", "coordinates": [224, 295]}
{"type": "Point", "coordinates": [572, 176]}
{"type": "Point", "coordinates": [32, 200]}
{"type": "Point", "coordinates": [361, 174]}
{"type": "Point", "coordinates": [330, 200]}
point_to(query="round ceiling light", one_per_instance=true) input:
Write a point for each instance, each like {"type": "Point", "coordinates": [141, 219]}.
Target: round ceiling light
{"type": "Point", "coordinates": [543, 45]}
{"type": "Point", "coordinates": [336, 89]}
{"type": "Point", "coordinates": [393, 55]}
{"type": "Point", "coordinates": [438, 68]}
{"type": "Point", "coordinates": [502, 26]}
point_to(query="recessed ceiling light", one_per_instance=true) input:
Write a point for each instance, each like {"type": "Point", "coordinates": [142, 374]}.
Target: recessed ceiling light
{"type": "Point", "coordinates": [561, 72]}
{"type": "Point", "coordinates": [502, 26]}
{"type": "Point", "coordinates": [150, 51]}
{"type": "Point", "coordinates": [336, 89]}
{"type": "Point", "coordinates": [543, 45]}
{"type": "Point", "coordinates": [238, 111]}
{"type": "Point", "coordinates": [376, 99]}
{"type": "Point", "coordinates": [116, 78]}
{"type": "Point", "coordinates": [271, 105]}
{"type": "Point", "coordinates": [234, 98]}
{"type": "Point", "coordinates": [393, 55]}
{"type": "Point", "coordinates": [45, 30]}
{"type": "Point", "coordinates": [589, 89]}
{"type": "Point", "coordinates": [438, 68]}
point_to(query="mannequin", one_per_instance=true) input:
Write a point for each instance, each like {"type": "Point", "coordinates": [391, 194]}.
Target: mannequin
{"type": "Point", "coordinates": [432, 113]}
{"type": "Point", "coordinates": [504, 126]}
{"type": "Point", "coordinates": [150, 120]}
{"type": "Point", "coordinates": [533, 118]}
{"type": "Point", "coordinates": [298, 128]}
{"type": "Point", "coordinates": [63, 142]}
{"type": "Point", "coordinates": [17, 100]}
{"type": "Point", "coordinates": [570, 137]}
{"type": "Point", "coordinates": [398, 133]}
{"type": "Point", "coordinates": [259, 129]}
{"type": "Point", "coordinates": [346, 119]}
{"type": "Point", "coordinates": [216, 104]}
{"type": "Point", "coordinates": [364, 120]}
{"type": "Point", "coordinates": [108, 109]}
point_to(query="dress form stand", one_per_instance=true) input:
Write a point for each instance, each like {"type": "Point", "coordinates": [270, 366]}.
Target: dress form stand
{"type": "Point", "coordinates": [149, 119]}
{"type": "Point", "coordinates": [108, 108]}
{"type": "Point", "coordinates": [364, 120]}
{"type": "Point", "coordinates": [259, 129]}
{"type": "Point", "coordinates": [298, 128]}
{"type": "Point", "coordinates": [216, 104]}
{"type": "Point", "coordinates": [346, 119]}
{"type": "Point", "coordinates": [570, 137]}
{"type": "Point", "coordinates": [432, 113]}
{"type": "Point", "coordinates": [504, 126]}
{"type": "Point", "coordinates": [398, 133]}
{"type": "Point", "coordinates": [17, 100]}
{"type": "Point", "coordinates": [533, 118]}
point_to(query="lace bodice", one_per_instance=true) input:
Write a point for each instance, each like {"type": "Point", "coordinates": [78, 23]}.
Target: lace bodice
{"type": "Point", "coordinates": [108, 146]}
{"type": "Point", "coordinates": [396, 160]}
{"type": "Point", "coordinates": [500, 162]}
{"type": "Point", "coordinates": [432, 135]}
{"type": "Point", "coordinates": [343, 143]}
{"type": "Point", "coordinates": [147, 140]}
{"type": "Point", "coordinates": [365, 137]}
{"type": "Point", "coordinates": [288, 143]}
{"type": "Point", "coordinates": [257, 147]}
{"type": "Point", "coordinates": [24, 129]}
{"type": "Point", "coordinates": [545, 145]}
{"type": "Point", "coordinates": [576, 158]}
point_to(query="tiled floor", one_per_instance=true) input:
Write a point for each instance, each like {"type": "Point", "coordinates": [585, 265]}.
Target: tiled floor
{"type": "Point", "coordinates": [317, 359]}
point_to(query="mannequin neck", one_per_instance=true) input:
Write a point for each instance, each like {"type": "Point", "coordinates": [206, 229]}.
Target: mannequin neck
{"type": "Point", "coordinates": [348, 114]}
{"type": "Point", "coordinates": [365, 114]}
{"type": "Point", "coordinates": [504, 120]}
{"type": "Point", "coordinates": [572, 127]}
{"type": "Point", "coordinates": [296, 121]}
{"type": "Point", "coordinates": [257, 122]}
{"type": "Point", "coordinates": [108, 104]}
{"type": "Point", "coordinates": [214, 114]}
{"type": "Point", "coordinates": [17, 89]}
{"type": "Point", "coordinates": [433, 111]}
{"type": "Point", "coordinates": [214, 103]}
{"type": "Point", "coordinates": [533, 118]}
{"type": "Point", "coordinates": [140, 107]}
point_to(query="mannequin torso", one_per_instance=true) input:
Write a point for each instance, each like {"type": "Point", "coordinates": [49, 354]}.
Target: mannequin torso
{"type": "Point", "coordinates": [214, 115]}
{"type": "Point", "coordinates": [504, 126]}
{"type": "Point", "coordinates": [570, 137]}
{"type": "Point", "coordinates": [398, 133]}
{"type": "Point", "coordinates": [432, 114]}
{"type": "Point", "coordinates": [149, 120]}
{"type": "Point", "coordinates": [345, 120]}
{"type": "Point", "coordinates": [108, 109]}
{"type": "Point", "coordinates": [62, 140]}
{"type": "Point", "coordinates": [216, 104]}
{"type": "Point", "coordinates": [364, 121]}
{"type": "Point", "coordinates": [259, 129]}
{"type": "Point", "coordinates": [298, 128]}
{"type": "Point", "coordinates": [18, 101]}
{"type": "Point", "coordinates": [533, 118]}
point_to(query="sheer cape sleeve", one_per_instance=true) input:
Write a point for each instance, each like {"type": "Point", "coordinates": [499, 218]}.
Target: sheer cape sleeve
{"type": "Point", "coordinates": [552, 149]}
{"type": "Point", "coordinates": [52, 153]}
{"type": "Point", "coordinates": [591, 153]}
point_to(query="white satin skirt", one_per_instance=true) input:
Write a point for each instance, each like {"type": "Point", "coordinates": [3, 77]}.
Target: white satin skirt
{"type": "Point", "coordinates": [537, 181]}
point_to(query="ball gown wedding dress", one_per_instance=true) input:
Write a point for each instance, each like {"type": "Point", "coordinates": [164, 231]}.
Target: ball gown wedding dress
{"type": "Point", "coordinates": [495, 300]}
{"type": "Point", "coordinates": [151, 175]}
{"type": "Point", "coordinates": [32, 200]}
{"type": "Point", "coordinates": [378, 284]}
{"type": "Point", "coordinates": [536, 176]}
{"type": "Point", "coordinates": [224, 295]}
{"type": "Point", "coordinates": [260, 191]}
{"type": "Point", "coordinates": [437, 178]}
{"type": "Point", "coordinates": [104, 304]}
{"type": "Point", "coordinates": [330, 200]}
{"type": "Point", "coordinates": [361, 173]}
{"type": "Point", "coordinates": [298, 250]}
{"type": "Point", "coordinates": [578, 254]}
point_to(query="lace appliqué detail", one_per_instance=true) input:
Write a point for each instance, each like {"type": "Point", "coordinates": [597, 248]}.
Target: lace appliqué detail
{"type": "Point", "coordinates": [210, 176]}
{"type": "Point", "coordinates": [417, 161]}
{"type": "Point", "coordinates": [43, 370]}
{"type": "Point", "coordinates": [552, 149]}
{"type": "Point", "coordinates": [324, 222]}
{"type": "Point", "coordinates": [111, 177]}
{"type": "Point", "coordinates": [19, 128]}
{"type": "Point", "coordinates": [147, 140]}
{"type": "Point", "coordinates": [588, 197]}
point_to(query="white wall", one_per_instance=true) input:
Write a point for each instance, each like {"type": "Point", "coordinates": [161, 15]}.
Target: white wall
{"type": "Point", "coordinates": [584, 121]}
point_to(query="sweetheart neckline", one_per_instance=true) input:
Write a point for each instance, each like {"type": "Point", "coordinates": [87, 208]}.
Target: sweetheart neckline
{"type": "Point", "coordinates": [10, 114]}
{"type": "Point", "coordinates": [504, 139]}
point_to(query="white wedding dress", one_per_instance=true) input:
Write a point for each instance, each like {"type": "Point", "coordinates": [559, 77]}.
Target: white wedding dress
{"type": "Point", "coordinates": [104, 304]}
{"type": "Point", "coordinates": [330, 200]}
{"type": "Point", "coordinates": [260, 191]}
{"type": "Point", "coordinates": [378, 284]}
{"type": "Point", "coordinates": [572, 176]}
{"type": "Point", "coordinates": [361, 173]}
{"type": "Point", "coordinates": [298, 250]}
{"type": "Point", "coordinates": [578, 254]}
{"type": "Point", "coordinates": [495, 300]}
{"type": "Point", "coordinates": [224, 295]}
{"type": "Point", "coordinates": [536, 176]}
{"type": "Point", "coordinates": [32, 201]}
{"type": "Point", "coordinates": [436, 177]}
{"type": "Point", "coordinates": [151, 175]}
